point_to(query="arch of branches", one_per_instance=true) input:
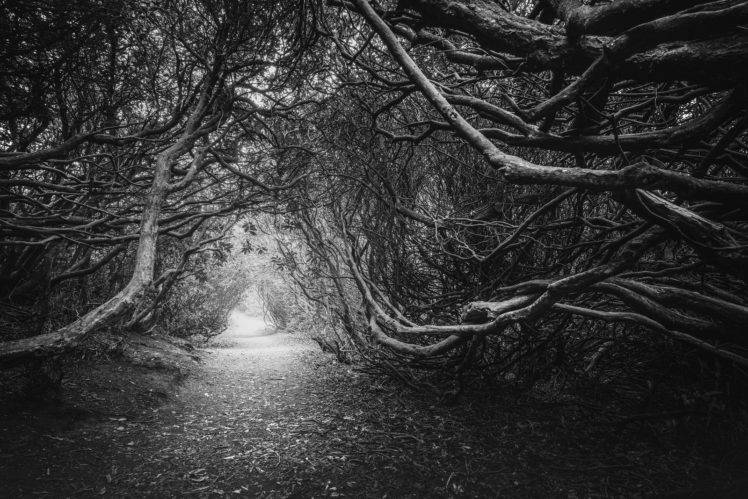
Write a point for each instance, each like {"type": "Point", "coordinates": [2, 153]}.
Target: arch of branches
{"type": "Point", "coordinates": [460, 183]}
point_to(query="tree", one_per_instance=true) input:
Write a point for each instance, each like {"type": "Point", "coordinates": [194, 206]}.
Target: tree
{"type": "Point", "coordinates": [473, 183]}
{"type": "Point", "coordinates": [135, 128]}
{"type": "Point", "coordinates": [614, 202]}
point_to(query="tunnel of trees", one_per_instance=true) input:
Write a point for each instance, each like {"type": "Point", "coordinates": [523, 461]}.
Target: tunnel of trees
{"type": "Point", "coordinates": [467, 187]}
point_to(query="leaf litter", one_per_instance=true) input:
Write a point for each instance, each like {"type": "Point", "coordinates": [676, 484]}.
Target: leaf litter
{"type": "Point", "coordinates": [272, 416]}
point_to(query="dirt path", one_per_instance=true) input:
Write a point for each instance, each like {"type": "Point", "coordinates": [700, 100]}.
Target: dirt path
{"type": "Point", "coordinates": [269, 415]}
{"type": "Point", "coordinates": [226, 430]}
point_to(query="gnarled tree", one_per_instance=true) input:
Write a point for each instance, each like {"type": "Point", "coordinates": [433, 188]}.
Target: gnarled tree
{"type": "Point", "coordinates": [127, 128]}
{"type": "Point", "coordinates": [514, 177]}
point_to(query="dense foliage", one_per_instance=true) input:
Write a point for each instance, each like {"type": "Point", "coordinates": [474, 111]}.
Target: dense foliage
{"type": "Point", "coordinates": [131, 136]}
{"type": "Point", "coordinates": [517, 190]}
{"type": "Point", "coordinates": [533, 190]}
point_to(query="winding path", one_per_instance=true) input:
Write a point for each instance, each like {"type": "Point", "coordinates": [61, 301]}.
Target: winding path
{"type": "Point", "coordinates": [269, 415]}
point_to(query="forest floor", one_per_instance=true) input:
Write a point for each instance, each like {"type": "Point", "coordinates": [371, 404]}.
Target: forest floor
{"type": "Point", "coordinates": [270, 415]}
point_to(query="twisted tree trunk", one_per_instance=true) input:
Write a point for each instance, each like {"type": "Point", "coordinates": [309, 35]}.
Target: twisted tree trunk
{"type": "Point", "coordinates": [124, 302]}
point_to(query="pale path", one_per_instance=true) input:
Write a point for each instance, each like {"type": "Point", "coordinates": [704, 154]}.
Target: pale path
{"type": "Point", "coordinates": [269, 415]}
{"type": "Point", "coordinates": [241, 418]}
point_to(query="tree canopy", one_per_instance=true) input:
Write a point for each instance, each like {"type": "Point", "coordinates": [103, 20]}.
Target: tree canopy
{"type": "Point", "coordinates": [475, 185]}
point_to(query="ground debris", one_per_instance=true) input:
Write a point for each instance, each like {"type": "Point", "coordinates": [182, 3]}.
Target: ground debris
{"type": "Point", "coordinates": [266, 416]}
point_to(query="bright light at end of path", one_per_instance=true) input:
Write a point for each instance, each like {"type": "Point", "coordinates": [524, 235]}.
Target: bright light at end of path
{"type": "Point", "coordinates": [242, 324]}
{"type": "Point", "coordinates": [249, 340]}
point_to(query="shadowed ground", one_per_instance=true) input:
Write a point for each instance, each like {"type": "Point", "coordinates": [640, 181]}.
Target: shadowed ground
{"type": "Point", "coordinates": [269, 415]}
